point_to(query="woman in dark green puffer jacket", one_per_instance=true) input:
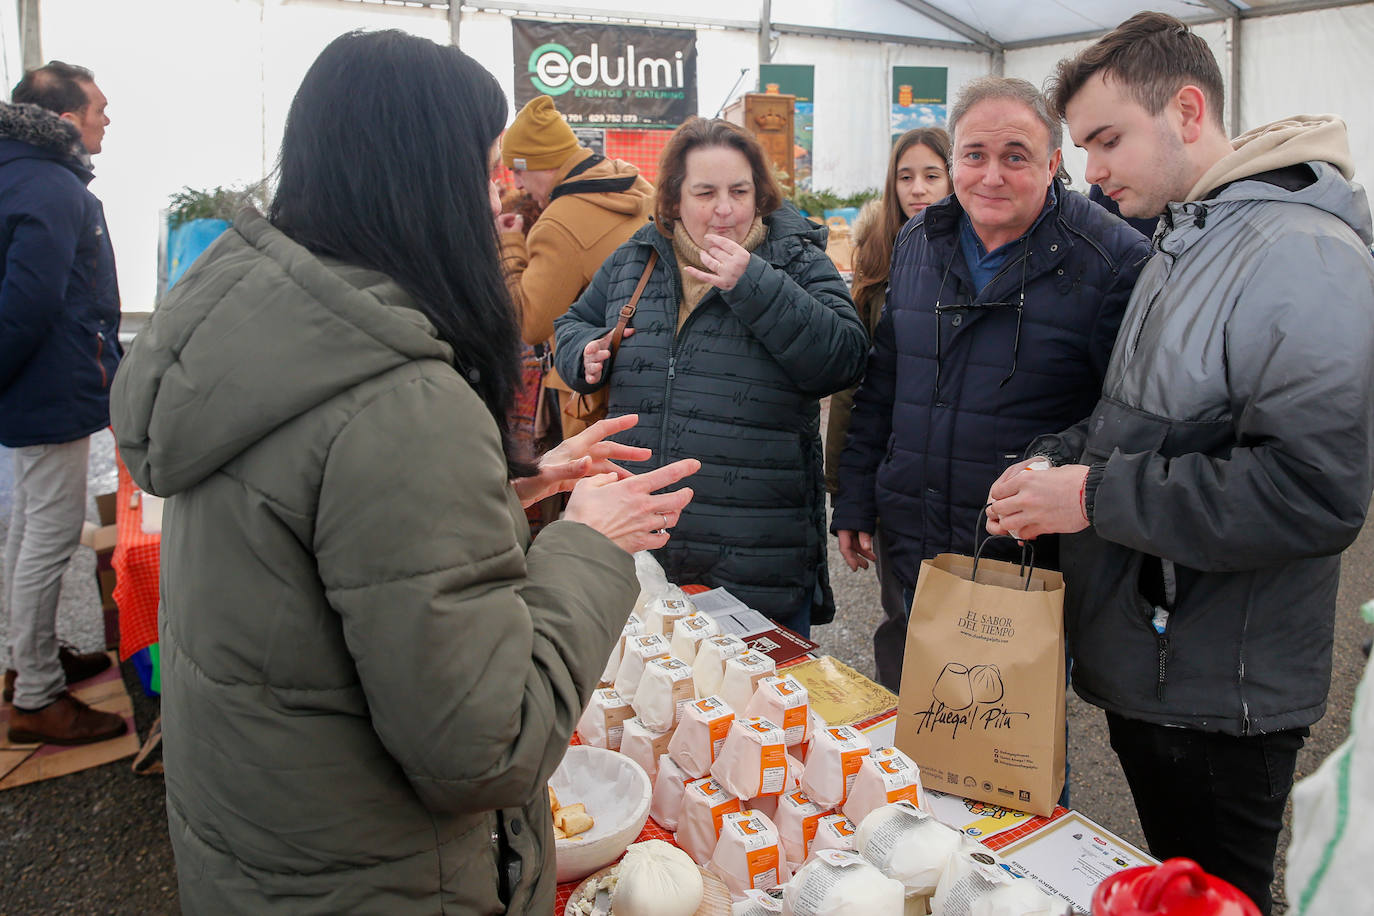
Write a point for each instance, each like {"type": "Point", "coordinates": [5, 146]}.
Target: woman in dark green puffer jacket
{"type": "Point", "coordinates": [369, 671]}
{"type": "Point", "coordinates": [744, 326]}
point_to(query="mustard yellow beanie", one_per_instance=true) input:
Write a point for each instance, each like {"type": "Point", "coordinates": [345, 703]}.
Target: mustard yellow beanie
{"type": "Point", "coordinates": [539, 138]}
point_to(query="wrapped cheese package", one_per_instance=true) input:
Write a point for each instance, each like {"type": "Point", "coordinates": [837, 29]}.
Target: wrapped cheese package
{"type": "Point", "coordinates": [753, 761]}
{"type": "Point", "coordinates": [742, 676]}
{"type": "Point", "coordinates": [708, 668]}
{"type": "Point", "coordinates": [768, 804]}
{"type": "Point", "coordinates": [634, 626]}
{"type": "Point", "coordinates": [1018, 898]}
{"type": "Point", "coordinates": [664, 612]}
{"type": "Point", "coordinates": [670, 784]}
{"type": "Point", "coordinates": [785, 701]}
{"type": "Point", "coordinates": [758, 903]}
{"type": "Point", "coordinates": [908, 845]}
{"type": "Point", "coordinates": [747, 855]}
{"type": "Point", "coordinates": [886, 775]}
{"type": "Point", "coordinates": [839, 883]}
{"type": "Point", "coordinates": [664, 689]}
{"type": "Point", "coordinates": [657, 879]}
{"type": "Point", "coordinates": [603, 721]}
{"type": "Point", "coordinates": [974, 882]}
{"type": "Point", "coordinates": [797, 818]}
{"type": "Point", "coordinates": [699, 737]}
{"type": "Point", "coordinates": [689, 632]}
{"type": "Point", "coordinates": [705, 803]}
{"type": "Point", "coordinates": [639, 651]}
{"type": "Point", "coordinates": [833, 831]}
{"type": "Point", "coordinates": [644, 745]}
{"type": "Point", "coordinates": [833, 763]}
{"type": "Point", "coordinates": [653, 582]}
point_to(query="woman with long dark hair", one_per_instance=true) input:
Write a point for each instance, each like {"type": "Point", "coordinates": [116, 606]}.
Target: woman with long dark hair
{"type": "Point", "coordinates": [917, 176]}
{"type": "Point", "coordinates": [743, 327]}
{"type": "Point", "coordinates": [369, 671]}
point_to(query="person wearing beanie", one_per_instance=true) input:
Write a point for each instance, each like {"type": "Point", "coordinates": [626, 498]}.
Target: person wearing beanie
{"type": "Point", "coordinates": [591, 205]}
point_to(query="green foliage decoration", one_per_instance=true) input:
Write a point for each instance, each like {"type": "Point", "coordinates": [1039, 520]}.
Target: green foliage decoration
{"type": "Point", "coordinates": [215, 203]}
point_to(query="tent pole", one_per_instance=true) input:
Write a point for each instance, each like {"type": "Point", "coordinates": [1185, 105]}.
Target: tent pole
{"type": "Point", "coordinates": [30, 34]}
{"type": "Point", "coordinates": [765, 37]}
{"type": "Point", "coordinates": [1235, 76]}
{"type": "Point", "coordinates": [455, 18]}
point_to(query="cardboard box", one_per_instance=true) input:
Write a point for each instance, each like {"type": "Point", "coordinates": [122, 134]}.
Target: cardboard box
{"type": "Point", "coordinates": [102, 539]}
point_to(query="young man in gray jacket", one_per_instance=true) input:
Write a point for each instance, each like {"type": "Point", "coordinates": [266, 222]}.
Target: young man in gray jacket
{"type": "Point", "coordinates": [1208, 497]}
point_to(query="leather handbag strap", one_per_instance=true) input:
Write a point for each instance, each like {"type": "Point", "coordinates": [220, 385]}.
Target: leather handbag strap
{"type": "Point", "coordinates": [627, 311]}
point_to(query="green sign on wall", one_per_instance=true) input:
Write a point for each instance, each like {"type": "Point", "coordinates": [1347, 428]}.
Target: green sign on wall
{"type": "Point", "coordinates": [919, 98]}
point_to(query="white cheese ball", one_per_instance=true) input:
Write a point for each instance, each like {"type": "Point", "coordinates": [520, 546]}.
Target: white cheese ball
{"type": "Point", "coordinates": [657, 879]}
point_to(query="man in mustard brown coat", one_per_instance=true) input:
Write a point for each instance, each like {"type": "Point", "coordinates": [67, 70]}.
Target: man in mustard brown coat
{"type": "Point", "coordinates": [591, 206]}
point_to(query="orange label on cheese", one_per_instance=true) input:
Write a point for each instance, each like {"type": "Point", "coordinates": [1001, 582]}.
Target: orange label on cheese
{"type": "Point", "coordinates": [721, 802]}
{"type": "Point", "coordinates": [763, 867]}
{"type": "Point", "coordinates": [760, 845]}
{"type": "Point", "coordinates": [911, 793]}
{"type": "Point", "coordinates": [720, 730]}
{"type": "Point", "coordinates": [850, 761]}
{"type": "Point", "coordinates": [772, 769]}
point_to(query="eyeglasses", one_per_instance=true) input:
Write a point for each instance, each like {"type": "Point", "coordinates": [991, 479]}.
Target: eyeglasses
{"type": "Point", "coordinates": [941, 309]}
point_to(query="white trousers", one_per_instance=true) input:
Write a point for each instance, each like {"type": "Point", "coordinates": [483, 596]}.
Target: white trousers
{"type": "Point", "coordinates": [45, 529]}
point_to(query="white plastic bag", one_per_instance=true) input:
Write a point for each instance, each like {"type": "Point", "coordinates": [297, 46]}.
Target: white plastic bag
{"type": "Point", "coordinates": [1332, 844]}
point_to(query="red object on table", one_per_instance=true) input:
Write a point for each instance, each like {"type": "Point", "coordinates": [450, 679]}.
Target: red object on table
{"type": "Point", "coordinates": [135, 562]}
{"type": "Point", "coordinates": [1177, 887]}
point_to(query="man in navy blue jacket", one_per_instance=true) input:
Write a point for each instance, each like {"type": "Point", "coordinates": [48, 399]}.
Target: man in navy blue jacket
{"type": "Point", "coordinates": [59, 323]}
{"type": "Point", "coordinates": [1003, 304]}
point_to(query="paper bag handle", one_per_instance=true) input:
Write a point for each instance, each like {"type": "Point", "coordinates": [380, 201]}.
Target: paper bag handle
{"type": "Point", "coordinates": [1027, 550]}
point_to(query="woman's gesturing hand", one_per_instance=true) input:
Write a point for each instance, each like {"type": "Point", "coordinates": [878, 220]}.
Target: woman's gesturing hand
{"type": "Point", "coordinates": [628, 510]}
{"type": "Point", "coordinates": [725, 260]}
{"type": "Point", "coordinates": [595, 354]}
{"type": "Point", "coordinates": [588, 452]}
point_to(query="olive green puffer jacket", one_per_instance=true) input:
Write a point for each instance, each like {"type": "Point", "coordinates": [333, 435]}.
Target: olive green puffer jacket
{"type": "Point", "coordinates": [369, 672]}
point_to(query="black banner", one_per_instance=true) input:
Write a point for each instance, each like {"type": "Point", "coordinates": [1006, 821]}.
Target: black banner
{"type": "Point", "coordinates": [607, 75]}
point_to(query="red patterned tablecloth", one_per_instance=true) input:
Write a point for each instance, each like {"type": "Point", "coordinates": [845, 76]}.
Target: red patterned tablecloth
{"type": "Point", "coordinates": [135, 562]}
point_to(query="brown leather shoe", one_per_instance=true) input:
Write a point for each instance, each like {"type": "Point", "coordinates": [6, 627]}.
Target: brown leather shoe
{"type": "Point", "coordinates": [76, 666]}
{"type": "Point", "coordinates": [66, 720]}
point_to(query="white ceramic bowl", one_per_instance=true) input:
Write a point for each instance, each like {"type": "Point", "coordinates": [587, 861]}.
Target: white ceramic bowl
{"type": "Point", "coordinates": [616, 793]}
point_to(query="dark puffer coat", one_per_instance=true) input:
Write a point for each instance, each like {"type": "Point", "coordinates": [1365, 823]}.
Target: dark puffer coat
{"type": "Point", "coordinates": [738, 387]}
{"type": "Point", "coordinates": [950, 399]}
{"type": "Point", "coordinates": [59, 301]}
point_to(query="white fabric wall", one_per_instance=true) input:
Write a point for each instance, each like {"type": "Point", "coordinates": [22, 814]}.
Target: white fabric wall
{"type": "Point", "coordinates": [11, 57]}
{"type": "Point", "coordinates": [1317, 62]}
{"type": "Point", "coordinates": [853, 101]}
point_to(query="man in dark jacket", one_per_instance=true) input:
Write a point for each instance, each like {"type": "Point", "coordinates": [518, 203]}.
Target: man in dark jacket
{"type": "Point", "coordinates": [1209, 494]}
{"type": "Point", "coordinates": [59, 347]}
{"type": "Point", "coordinates": [1003, 304]}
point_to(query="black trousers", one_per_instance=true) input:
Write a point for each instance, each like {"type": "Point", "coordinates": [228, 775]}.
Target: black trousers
{"type": "Point", "coordinates": [1213, 798]}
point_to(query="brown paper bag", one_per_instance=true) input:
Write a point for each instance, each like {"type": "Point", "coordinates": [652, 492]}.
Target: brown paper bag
{"type": "Point", "coordinates": [981, 708]}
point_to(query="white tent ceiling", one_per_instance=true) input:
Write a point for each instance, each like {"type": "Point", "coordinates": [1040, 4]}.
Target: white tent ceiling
{"type": "Point", "coordinates": [991, 26]}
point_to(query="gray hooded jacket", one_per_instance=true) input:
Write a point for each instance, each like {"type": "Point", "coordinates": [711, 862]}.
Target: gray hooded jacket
{"type": "Point", "coordinates": [1230, 452]}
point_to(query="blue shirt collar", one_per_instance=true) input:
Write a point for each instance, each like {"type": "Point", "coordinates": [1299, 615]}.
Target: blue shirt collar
{"type": "Point", "coordinates": [984, 264]}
